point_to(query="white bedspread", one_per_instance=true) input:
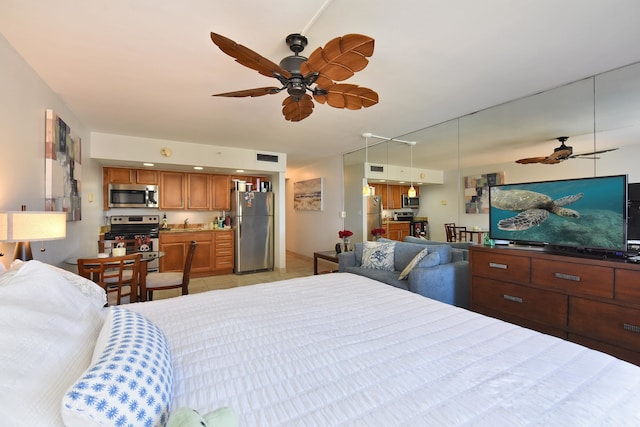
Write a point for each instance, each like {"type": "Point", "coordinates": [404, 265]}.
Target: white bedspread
{"type": "Point", "coordinates": [340, 349]}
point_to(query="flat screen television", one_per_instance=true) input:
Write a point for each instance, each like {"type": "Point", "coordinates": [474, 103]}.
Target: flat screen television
{"type": "Point", "coordinates": [581, 214]}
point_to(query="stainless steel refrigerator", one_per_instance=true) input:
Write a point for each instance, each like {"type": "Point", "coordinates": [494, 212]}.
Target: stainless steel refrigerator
{"type": "Point", "coordinates": [374, 215]}
{"type": "Point", "coordinates": [252, 216]}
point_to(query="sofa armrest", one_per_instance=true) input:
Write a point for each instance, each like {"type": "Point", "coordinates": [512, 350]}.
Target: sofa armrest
{"type": "Point", "coordinates": [448, 283]}
{"type": "Point", "coordinates": [346, 259]}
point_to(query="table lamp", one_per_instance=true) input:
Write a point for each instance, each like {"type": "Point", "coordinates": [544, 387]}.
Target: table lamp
{"type": "Point", "coordinates": [23, 226]}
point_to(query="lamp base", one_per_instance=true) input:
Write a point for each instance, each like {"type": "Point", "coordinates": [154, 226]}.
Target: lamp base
{"type": "Point", "coordinates": [23, 251]}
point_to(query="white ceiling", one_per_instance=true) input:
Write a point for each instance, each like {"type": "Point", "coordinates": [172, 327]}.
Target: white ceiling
{"type": "Point", "coordinates": [148, 67]}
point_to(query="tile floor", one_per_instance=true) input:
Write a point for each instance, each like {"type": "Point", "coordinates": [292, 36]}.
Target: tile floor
{"type": "Point", "coordinates": [297, 266]}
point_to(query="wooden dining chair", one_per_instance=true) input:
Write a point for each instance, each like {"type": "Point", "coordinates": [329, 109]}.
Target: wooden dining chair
{"type": "Point", "coordinates": [460, 234]}
{"type": "Point", "coordinates": [116, 275]}
{"type": "Point", "coordinates": [449, 228]}
{"type": "Point", "coordinates": [171, 279]}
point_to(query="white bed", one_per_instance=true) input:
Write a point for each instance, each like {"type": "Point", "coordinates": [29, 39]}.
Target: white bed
{"type": "Point", "coordinates": [340, 349]}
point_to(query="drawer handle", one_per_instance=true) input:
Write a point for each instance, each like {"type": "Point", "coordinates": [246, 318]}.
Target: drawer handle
{"type": "Point", "coordinates": [567, 277]}
{"type": "Point", "coordinates": [631, 328]}
{"type": "Point", "coordinates": [512, 298]}
{"type": "Point", "coordinates": [496, 265]}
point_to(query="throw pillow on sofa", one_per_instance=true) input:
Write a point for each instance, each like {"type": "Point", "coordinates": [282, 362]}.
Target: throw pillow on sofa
{"type": "Point", "coordinates": [378, 256]}
{"type": "Point", "coordinates": [423, 259]}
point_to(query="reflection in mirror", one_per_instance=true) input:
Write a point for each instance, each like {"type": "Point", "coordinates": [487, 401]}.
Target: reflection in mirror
{"type": "Point", "coordinates": [598, 113]}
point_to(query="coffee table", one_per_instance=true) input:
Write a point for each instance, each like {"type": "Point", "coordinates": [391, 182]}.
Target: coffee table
{"type": "Point", "coordinates": [331, 256]}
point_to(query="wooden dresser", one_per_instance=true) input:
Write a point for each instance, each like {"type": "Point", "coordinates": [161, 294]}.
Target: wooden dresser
{"type": "Point", "coordinates": [592, 302]}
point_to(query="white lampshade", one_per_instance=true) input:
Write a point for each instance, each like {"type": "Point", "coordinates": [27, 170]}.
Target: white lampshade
{"type": "Point", "coordinates": [24, 226]}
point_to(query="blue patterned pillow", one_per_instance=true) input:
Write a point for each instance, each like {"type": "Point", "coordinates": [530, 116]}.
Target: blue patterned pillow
{"type": "Point", "coordinates": [379, 256]}
{"type": "Point", "coordinates": [131, 383]}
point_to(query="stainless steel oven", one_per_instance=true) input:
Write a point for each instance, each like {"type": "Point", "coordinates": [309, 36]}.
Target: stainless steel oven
{"type": "Point", "coordinates": [136, 233]}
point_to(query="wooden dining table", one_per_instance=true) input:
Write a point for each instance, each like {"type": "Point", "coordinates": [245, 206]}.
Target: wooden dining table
{"type": "Point", "coordinates": [476, 234]}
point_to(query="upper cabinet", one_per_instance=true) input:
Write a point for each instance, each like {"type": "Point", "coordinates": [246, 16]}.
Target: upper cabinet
{"type": "Point", "coordinates": [198, 191]}
{"type": "Point", "coordinates": [172, 190]}
{"type": "Point", "coordinates": [220, 192]}
{"type": "Point", "coordinates": [391, 195]}
{"type": "Point", "coordinates": [130, 176]}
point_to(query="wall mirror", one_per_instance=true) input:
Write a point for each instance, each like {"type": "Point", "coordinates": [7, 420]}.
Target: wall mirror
{"type": "Point", "coordinates": [597, 113]}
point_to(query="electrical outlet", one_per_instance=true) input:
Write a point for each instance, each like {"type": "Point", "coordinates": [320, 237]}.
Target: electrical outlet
{"type": "Point", "coordinates": [343, 214]}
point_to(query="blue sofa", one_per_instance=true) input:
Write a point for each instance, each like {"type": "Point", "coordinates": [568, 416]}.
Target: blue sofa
{"type": "Point", "coordinates": [447, 282]}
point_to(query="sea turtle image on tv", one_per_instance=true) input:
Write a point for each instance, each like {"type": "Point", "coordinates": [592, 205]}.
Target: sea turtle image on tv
{"type": "Point", "coordinates": [534, 208]}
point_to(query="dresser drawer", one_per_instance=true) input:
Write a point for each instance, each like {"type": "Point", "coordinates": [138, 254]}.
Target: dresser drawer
{"type": "Point", "coordinates": [609, 323]}
{"type": "Point", "coordinates": [573, 278]}
{"type": "Point", "coordinates": [544, 307]}
{"type": "Point", "coordinates": [508, 268]}
{"type": "Point", "coordinates": [627, 286]}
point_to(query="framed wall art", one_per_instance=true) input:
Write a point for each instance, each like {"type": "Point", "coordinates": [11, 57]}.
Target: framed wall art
{"type": "Point", "coordinates": [476, 191]}
{"type": "Point", "coordinates": [62, 168]}
{"type": "Point", "coordinates": [307, 195]}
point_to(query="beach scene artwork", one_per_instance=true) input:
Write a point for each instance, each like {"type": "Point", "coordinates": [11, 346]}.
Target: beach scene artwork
{"type": "Point", "coordinates": [307, 195]}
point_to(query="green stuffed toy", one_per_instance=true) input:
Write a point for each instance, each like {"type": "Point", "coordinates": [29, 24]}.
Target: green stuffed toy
{"type": "Point", "coordinates": [187, 417]}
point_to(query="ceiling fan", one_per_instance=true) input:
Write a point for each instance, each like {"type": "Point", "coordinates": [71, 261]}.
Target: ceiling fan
{"type": "Point", "coordinates": [562, 153]}
{"type": "Point", "coordinates": [337, 61]}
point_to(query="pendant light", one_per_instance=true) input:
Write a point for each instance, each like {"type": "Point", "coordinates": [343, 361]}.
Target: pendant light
{"type": "Point", "coordinates": [412, 191]}
{"type": "Point", "coordinates": [366, 190]}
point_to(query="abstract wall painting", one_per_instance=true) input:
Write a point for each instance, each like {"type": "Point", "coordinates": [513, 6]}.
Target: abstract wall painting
{"type": "Point", "coordinates": [62, 168]}
{"type": "Point", "coordinates": [476, 191]}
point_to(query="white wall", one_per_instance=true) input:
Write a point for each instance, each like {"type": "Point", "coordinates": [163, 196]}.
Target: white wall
{"type": "Point", "coordinates": [312, 231]}
{"type": "Point", "coordinates": [23, 102]}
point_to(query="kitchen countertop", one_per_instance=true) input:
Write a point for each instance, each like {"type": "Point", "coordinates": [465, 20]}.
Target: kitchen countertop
{"type": "Point", "coordinates": [193, 230]}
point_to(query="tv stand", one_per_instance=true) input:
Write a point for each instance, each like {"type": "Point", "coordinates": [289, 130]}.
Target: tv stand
{"type": "Point", "coordinates": [593, 302]}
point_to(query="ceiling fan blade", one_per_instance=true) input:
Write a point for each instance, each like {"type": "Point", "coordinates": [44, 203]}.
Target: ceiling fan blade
{"type": "Point", "coordinates": [339, 59]}
{"type": "Point", "coordinates": [295, 111]}
{"type": "Point", "coordinates": [352, 97]}
{"type": "Point", "coordinates": [531, 160]}
{"type": "Point", "coordinates": [247, 57]}
{"type": "Point", "coordinates": [582, 155]}
{"type": "Point", "coordinates": [260, 91]}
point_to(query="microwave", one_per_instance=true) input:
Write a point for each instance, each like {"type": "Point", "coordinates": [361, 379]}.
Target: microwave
{"type": "Point", "coordinates": [133, 196]}
{"type": "Point", "coordinates": [410, 202]}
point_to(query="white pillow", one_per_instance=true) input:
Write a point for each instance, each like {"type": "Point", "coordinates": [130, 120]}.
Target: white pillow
{"type": "Point", "coordinates": [86, 286]}
{"type": "Point", "coordinates": [379, 256]}
{"type": "Point", "coordinates": [424, 259]}
{"type": "Point", "coordinates": [48, 331]}
{"type": "Point", "coordinates": [131, 382]}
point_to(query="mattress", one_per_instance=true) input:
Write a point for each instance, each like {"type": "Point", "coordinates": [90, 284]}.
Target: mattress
{"type": "Point", "coordinates": [341, 349]}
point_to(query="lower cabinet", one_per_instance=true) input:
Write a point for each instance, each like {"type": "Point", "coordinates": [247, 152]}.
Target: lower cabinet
{"type": "Point", "coordinates": [206, 260]}
{"type": "Point", "coordinates": [592, 302]}
{"type": "Point", "coordinates": [398, 230]}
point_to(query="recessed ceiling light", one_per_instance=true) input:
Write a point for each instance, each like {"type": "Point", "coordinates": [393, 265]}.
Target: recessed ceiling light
{"type": "Point", "coordinates": [240, 170]}
{"type": "Point", "coordinates": [148, 164]}
{"type": "Point", "coordinates": [198, 168]}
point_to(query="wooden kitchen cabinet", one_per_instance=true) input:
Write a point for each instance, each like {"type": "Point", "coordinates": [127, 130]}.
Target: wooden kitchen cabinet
{"type": "Point", "coordinates": [172, 190]}
{"type": "Point", "coordinates": [224, 247]}
{"type": "Point", "coordinates": [130, 176]}
{"type": "Point", "coordinates": [220, 192]}
{"type": "Point", "coordinates": [125, 176]}
{"type": "Point", "coordinates": [198, 191]}
{"type": "Point", "coordinates": [391, 195]}
{"type": "Point", "coordinates": [398, 230]}
{"type": "Point", "coordinates": [214, 253]}
{"type": "Point", "coordinates": [593, 302]}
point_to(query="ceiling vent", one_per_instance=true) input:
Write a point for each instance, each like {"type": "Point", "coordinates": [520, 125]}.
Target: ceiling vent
{"type": "Point", "coordinates": [267, 158]}
{"type": "Point", "coordinates": [375, 168]}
